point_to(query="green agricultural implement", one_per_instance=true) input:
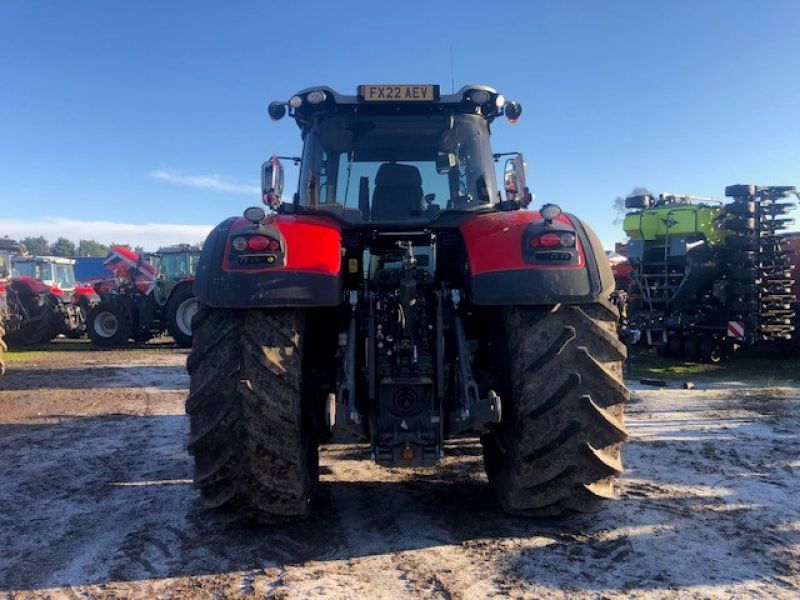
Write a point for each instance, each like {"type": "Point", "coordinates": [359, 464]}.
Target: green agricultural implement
{"type": "Point", "coordinates": [710, 276]}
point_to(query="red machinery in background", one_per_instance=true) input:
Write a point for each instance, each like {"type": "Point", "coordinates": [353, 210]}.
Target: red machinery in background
{"type": "Point", "coordinates": [148, 295]}
{"type": "Point", "coordinates": [40, 298]}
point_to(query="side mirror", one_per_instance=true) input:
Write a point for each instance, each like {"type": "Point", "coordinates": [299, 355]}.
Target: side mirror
{"type": "Point", "coordinates": [272, 182]}
{"type": "Point", "coordinates": [514, 181]}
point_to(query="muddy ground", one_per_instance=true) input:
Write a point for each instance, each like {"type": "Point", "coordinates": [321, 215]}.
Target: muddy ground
{"type": "Point", "coordinates": [96, 502]}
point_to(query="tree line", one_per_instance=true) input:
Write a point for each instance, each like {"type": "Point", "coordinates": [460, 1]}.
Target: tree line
{"type": "Point", "coordinates": [39, 246]}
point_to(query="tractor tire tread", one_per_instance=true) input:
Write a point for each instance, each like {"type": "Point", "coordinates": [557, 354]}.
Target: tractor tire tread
{"type": "Point", "coordinates": [559, 451]}
{"type": "Point", "coordinates": [255, 459]}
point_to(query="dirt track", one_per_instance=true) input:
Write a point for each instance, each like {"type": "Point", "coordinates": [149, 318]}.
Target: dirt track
{"type": "Point", "coordinates": [96, 501]}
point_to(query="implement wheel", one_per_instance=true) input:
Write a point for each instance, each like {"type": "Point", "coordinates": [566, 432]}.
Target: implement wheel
{"type": "Point", "coordinates": [676, 346]}
{"type": "Point", "coordinates": [557, 450]}
{"type": "Point", "coordinates": [255, 454]}
{"type": "Point", "coordinates": [710, 350]}
{"type": "Point", "coordinates": [691, 346]}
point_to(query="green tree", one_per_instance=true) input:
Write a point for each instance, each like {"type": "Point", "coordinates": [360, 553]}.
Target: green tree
{"type": "Point", "coordinates": [63, 247]}
{"type": "Point", "coordinates": [619, 203]}
{"type": "Point", "coordinates": [91, 248]}
{"type": "Point", "coordinates": [37, 245]}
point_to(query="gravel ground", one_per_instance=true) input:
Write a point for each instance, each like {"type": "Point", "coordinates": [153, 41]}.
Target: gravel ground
{"type": "Point", "coordinates": [96, 502]}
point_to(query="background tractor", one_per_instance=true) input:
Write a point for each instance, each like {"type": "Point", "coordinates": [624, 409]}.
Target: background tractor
{"type": "Point", "coordinates": [400, 298]}
{"type": "Point", "coordinates": [41, 299]}
{"type": "Point", "coordinates": [148, 296]}
{"type": "Point", "coordinates": [68, 302]}
{"type": "Point", "coordinates": [708, 276]}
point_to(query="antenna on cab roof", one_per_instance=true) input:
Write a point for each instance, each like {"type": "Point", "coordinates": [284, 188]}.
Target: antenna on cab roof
{"type": "Point", "coordinates": [452, 72]}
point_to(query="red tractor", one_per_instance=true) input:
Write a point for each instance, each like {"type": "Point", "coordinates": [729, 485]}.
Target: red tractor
{"type": "Point", "coordinates": [399, 297]}
{"type": "Point", "coordinates": [148, 296]}
{"type": "Point", "coordinates": [42, 299]}
{"type": "Point", "coordinates": [67, 304]}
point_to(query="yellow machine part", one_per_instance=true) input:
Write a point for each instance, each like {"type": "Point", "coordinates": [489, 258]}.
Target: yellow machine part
{"type": "Point", "coordinates": [676, 220]}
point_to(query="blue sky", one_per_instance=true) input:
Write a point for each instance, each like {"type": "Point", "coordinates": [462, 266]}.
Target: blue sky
{"type": "Point", "coordinates": [155, 112]}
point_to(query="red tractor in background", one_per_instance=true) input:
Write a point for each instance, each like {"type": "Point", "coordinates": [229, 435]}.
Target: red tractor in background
{"type": "Point", "coordinates": [148, 295]}
{"type": "Point", "coordinates": [68, 301]}
{"type": "Point", "coordinates": [401, 298]}
{"type": "Point", "coordinates": [41, 298]}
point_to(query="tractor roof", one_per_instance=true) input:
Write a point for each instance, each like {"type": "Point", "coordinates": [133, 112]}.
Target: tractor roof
{"type": "Point", "coordinates": [58, 260]}
{"type": "Point", "coordinates": [475, 99]}
{"type": "Point", "coordinates": [178, 249]}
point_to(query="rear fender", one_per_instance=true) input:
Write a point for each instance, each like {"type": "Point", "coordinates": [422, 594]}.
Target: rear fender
{"type": "Point", "coordinates": [304, 269]}
{"type": "Point", "coordinates": [502, 269]}
{"type": "Point", "coordinates": [85, 297]}
{"type": "Point", "coordinates": [29, 286]}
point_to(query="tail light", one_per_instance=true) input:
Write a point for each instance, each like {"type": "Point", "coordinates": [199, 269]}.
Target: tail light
{"type": "Point", "coordinates": [549, 245]}
{"type": "Point", "coordinates": [255, 243]}
{"type": "Point", "coordinates": [254, 250]}
{"type": "Point", "coordinates": [258, 242]}
{"type": "Point", "coordinates": [551, 239]}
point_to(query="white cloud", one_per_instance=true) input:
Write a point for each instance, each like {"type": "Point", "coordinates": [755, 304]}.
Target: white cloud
{"type": "Point", "coordinates": [149, 235]}
{"type": "Point", "coordinates": [217, 183]}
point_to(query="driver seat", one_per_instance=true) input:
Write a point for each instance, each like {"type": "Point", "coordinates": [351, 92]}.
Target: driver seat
{"type": "Point", "coordinates": [398, 193]}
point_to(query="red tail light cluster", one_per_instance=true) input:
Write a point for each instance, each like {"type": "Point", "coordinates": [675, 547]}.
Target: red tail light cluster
{"type": "Point", "coordinates": [261, 242]}
{"type": "Point", "coordinates": [254, 250]}
{"type": "Point", "coordinates": [553, 240]}
{"type": "Point", "coordinates": [255, 243]}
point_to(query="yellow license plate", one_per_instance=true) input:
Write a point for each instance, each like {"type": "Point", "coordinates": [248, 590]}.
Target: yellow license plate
{"type": "Point", "coordinates": [400, 93]}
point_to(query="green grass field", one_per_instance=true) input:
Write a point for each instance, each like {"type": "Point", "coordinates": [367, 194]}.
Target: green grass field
{"type": "Point", "coordinates": [775, 370]}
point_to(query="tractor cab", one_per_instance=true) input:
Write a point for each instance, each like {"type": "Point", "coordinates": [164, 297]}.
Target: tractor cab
{"type": "Point", "coordinates": [175, 264]}
{"type": "Point", "coordinates": [55, 272]}
{"type": "Point", "coordinates": [392, 160]}
{"type": "Point", "coordinates": [396, 155]}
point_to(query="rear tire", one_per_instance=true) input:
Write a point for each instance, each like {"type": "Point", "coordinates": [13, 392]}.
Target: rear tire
{"type": "Point", "coordinates": [558, 450]}
{"type": "Point", "coordinates": [182, 308]}
{"type": "Point", "coordinates": [39, 330]}
{"type": "Point", "coordinates": [255, 455]}
{"type": "Point", "coordinates": [109, 325]}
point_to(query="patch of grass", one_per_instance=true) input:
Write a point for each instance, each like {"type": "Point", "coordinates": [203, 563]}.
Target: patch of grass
{"type": "Point", "coordinates": [22, 355]}
{"type": "Point", "coordinates": [34, 352]}
{"type": "Point", "coordinates": [644, 363]}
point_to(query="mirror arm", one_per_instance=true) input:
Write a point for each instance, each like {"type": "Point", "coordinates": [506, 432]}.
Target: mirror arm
{"type": "Point", "coordinates": [497, 156]}
{"type": "Point", "coordinates": [296, 160]}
